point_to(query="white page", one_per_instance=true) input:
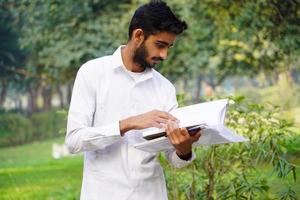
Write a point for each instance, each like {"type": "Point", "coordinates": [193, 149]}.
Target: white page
{"type": "Point", "coordinates": [211, 113]}
{"type": "Point", "coordinates": [211, 135]}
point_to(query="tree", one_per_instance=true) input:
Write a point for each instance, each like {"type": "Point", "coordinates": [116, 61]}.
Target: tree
{"type": "Point", "coordinates": [60, 36]}
{"type": "Point", "coordinates": [228, 38]}
{"type": "Point", "coordinates": [11, 57]}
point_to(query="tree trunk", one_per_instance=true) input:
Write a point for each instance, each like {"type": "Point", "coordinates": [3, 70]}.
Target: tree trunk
{"type": "Point", "coordinates": [210, 170]}
{"type": "Point", "coordinates": [47, 97]}
{"type": "Point", "coordinates": [20, 105]}
{"type": "Point", "coordinates": [198, 88]}
{"type": "Point", "coordinates": [185, 83]}
{"type": "Point", "coordinates": [3, 92]}
{"type": "Point", "coordinates": [32, 100]}
{"type": "Point", "coordinates": [61, 96]}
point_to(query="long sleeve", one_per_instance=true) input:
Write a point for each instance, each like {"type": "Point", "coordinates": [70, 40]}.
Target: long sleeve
{"type": "Point", "coordinates": [171, 155]}
{"type": "Point", "coordinates": [81, 136]}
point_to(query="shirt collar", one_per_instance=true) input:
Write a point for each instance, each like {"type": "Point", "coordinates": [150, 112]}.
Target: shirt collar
{"type": "Point", "coordinates": [117, 58]}
{"type": "Point", "coordinates": [118, 63]}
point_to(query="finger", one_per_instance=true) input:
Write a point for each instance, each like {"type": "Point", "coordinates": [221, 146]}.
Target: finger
{"type": "Point", "coordinates": [157, 125]}
{"type": "Point", "coordinates": [176, 133]}
{"type": "Point", "coordinates": [171, 128]}
{"type": "Point", "coordinates": [174, 139]}
{"type": "Point", "coordinates": [184, 132]}
{"type": "Point", "coordinates": [196, 136]}
{"type": "Point", "coordinates": [164, 126]}
{"type": "Point", "coordinates": [168, 131]}
{"type": "Point", "coordinates": [173, 118]}
{"type": "Point", "coordinates": [175, 129]}
{"type": "Point", "coordinates": [161, 120]}
{"type": "Point", "coordinates": [167, 128]}
{"type": "Point", "coordinates": [174, 125]}
{"type": "Point", "coordinates": [161, 114]}
{"type": "Point", "coordinates": [172, 133]}
{"type": "Point", "coordinates": [166, 115]}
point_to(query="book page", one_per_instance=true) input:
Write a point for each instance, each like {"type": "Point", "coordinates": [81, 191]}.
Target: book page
{"type": "Point", "coordinates": [210, 113]}
{"type": "Point", "coordinates": [211, 135]}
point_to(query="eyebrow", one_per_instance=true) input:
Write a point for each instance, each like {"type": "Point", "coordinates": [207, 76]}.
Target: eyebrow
{"type": "Point", "coordinates": [165, 43]}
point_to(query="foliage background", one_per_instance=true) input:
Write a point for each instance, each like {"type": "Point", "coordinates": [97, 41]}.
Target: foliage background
{"type": "Point", "coordinates": [232, 48]}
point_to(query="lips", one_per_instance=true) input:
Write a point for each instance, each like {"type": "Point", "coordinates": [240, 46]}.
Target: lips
{"type": "Point", "coordinates": [157, 60]}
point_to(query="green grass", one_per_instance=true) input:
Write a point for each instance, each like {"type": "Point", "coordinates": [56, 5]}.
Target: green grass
{"type": "Point", "coordinates": [30, 172]}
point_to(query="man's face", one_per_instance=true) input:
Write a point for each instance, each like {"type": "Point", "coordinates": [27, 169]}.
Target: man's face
{"type": "Point", "coordinates": [153, 50]}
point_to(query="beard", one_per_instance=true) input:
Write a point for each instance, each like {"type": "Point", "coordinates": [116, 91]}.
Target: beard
{"type": "Point", "coordinates": [140, 55]}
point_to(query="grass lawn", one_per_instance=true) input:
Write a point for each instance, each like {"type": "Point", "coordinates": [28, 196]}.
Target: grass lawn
{"type": "Point", "coordinates": [30, 172]}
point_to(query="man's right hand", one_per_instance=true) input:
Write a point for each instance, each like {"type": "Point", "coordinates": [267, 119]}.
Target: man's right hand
{"type": "Point", "coordinates": [154, 118]}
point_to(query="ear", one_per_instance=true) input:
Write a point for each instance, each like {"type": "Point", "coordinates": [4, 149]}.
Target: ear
{"type": "Point", "coordinates": [138, 37]}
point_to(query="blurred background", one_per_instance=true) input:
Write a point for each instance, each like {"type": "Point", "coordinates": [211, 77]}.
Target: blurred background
{"type": "Point", "coordinates": [247, 51]}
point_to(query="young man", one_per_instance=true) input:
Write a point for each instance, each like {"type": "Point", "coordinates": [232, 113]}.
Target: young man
{"type": "Point", "coordinates": [116, 96]}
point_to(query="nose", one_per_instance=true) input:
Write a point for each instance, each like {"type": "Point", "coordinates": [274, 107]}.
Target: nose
{"type": "Point", "coordinates": [164, 54]}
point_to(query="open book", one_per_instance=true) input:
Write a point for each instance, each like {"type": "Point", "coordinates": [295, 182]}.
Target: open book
{"type": "Point", "coordinates": [208, 116]}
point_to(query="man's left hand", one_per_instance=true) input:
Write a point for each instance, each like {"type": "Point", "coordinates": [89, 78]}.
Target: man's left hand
{"type": "Point", "coordinates": [181, 139]}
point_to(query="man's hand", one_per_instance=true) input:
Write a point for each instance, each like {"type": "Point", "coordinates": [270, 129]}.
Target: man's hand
{"type": "Point", "coordinates": [181, 139]}
{"type": "Point", "coordinates": [154, 118]}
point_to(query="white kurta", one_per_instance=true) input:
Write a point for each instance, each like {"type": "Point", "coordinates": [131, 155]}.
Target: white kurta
{"type": "Point", "coordinates": [104, 93]}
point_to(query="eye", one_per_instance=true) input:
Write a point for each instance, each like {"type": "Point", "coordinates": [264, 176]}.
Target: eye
{"type": "Point", "coordinates": [160, 46]}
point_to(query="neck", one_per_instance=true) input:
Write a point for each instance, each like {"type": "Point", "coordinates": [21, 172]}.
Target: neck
{"type": "Point", "coordinates": [127, 58]}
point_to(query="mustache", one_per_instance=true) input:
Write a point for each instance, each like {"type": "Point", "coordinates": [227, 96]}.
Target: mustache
{"type": "Point", "coordinates": [157, 59]}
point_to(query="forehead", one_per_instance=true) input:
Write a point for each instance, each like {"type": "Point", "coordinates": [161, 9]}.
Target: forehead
{"type": "Point", "coordinates": [164, 37]}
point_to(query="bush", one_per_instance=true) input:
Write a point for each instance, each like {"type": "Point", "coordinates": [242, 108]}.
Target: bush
{"type": "Point", "coordinates": [229, 171]}
{"type": "Point", "coordinates": [292, 145]}
{"type": "Point", "coordinates": [47, 125]}
{"type": "Point", "coordinates": [15, 129]}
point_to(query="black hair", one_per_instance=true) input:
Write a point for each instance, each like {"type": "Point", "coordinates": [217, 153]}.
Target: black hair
{"type": "Point", "coordinates": [156, 17]}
